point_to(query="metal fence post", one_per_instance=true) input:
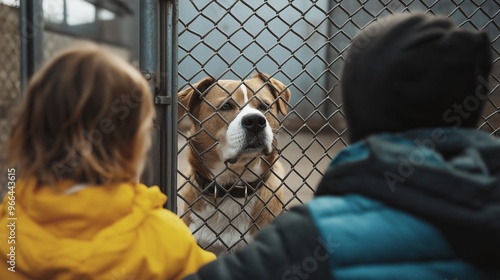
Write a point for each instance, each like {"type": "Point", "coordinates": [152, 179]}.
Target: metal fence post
{"type": "Point", "coordinates": [169, 17]}
{"type": "Point", "coordinates": [31, 39]}
{"type": "Point", "coordinates": [158, 62]}
{"type": "Point", "coordinates": [148, 63]}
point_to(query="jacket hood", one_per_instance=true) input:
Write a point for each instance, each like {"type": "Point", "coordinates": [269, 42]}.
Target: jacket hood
{"type": "Point", "coordinates": [448, 177]}
{"type": "Point", "coordinates": [61, 227]}
{"type": "Point", "coordinates": [412, 71]}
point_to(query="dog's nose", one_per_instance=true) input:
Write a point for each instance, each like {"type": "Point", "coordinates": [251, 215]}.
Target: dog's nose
{"type": "Point", "coordinates": [253, 123]}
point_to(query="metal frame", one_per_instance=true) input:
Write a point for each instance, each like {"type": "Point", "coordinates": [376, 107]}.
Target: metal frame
{"type": "Point", "coordinates": [169, 13]}
{"type": "Point", "coordinates": [158, 63]}
{"type": "Point", "coordinates": [31, 38]}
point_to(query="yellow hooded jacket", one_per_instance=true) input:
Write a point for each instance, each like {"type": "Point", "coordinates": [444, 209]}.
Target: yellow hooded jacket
{"type": "Point", "coordinates": [115, 232]}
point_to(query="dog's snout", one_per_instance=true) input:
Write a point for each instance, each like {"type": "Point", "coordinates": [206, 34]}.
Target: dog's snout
{"type": "Point", "coordinates": [254, 122]}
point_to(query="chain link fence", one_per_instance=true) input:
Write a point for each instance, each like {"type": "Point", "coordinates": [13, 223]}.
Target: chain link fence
{"type": "Point", "coordinates": [302, 44]}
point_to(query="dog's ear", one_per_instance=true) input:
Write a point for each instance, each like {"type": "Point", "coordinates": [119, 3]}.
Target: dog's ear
{"type": "Point", "coordinates": [190, 98]}
{"type": "Point", "coordinates": [279, 90]}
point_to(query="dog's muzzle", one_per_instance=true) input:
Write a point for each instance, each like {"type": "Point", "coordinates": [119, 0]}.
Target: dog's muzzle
{"type": "Point", "coordinates": [254, 123]}
{"type": "Point", "coordinates": [248, 134]}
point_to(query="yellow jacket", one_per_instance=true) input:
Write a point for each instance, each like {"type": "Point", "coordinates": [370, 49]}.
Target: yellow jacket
{"type": "Point", "coordinates": [114, 232]}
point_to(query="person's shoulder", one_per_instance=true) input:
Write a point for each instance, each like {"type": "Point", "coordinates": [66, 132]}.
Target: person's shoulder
{"type": "Point", "coordinates": [150, 201]}
{"type": "Point", "coordinates": [327, 205]}
{"type": "Point", "coordinates": [167, 221]}
{"type": "Point", "coordinates": [369, 232]}
{"type": "Point", "coordinates": [359, 213]}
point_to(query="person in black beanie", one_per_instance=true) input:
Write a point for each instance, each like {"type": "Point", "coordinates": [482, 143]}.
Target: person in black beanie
{"type": "Point", "coordinates": [412, 72]}
{"type": "Point", "coordinates": [417, 193]}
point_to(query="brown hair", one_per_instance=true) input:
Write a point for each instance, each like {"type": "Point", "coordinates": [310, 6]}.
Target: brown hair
{"type": "Point", "coordinates": [86, 116]}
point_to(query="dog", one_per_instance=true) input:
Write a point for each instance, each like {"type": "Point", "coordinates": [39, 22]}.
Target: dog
{"type": "Point", "coordinates": [232, 185]}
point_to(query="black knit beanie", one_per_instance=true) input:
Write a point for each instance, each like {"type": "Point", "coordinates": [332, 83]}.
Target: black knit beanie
{"type": "Point", "coordinates": [414, 71]}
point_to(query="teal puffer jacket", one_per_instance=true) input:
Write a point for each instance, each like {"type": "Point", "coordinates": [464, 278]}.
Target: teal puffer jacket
{"type": "Point", "coordinates": [424, 204]}
{"type": "Point", "coordinates": [368, 240]}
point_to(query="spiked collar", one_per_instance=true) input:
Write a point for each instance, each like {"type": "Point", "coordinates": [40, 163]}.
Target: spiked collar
{"type": "Point", "coordinates": [239, 189]}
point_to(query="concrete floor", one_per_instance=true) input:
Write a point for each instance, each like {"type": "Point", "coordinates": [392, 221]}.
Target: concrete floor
{"type": "Point", "coordinates": [304, 156]}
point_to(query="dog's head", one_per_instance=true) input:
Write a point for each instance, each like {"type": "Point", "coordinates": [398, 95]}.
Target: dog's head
{"type": "Point", "coordinates": [234, 120]}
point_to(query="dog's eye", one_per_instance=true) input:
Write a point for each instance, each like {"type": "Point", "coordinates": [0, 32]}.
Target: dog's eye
{"type": "Point", "coordinates": [226, 106]}
{"type": "Point", "coordinates": [263, 107]}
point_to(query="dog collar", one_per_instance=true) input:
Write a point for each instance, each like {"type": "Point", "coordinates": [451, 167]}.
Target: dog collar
{"type": "Point", "coordinates": [239, 189]}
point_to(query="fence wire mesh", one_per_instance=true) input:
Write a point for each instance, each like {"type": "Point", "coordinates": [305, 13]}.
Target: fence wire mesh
{"type": "Point", "coordinates": [301, 44]}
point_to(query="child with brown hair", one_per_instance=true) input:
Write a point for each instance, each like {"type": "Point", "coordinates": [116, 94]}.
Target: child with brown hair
{"type": "Point", "coordinates": [77, 210]}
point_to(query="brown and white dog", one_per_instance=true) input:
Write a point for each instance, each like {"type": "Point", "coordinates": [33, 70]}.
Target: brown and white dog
{"type": "Point", "coordinates": [233, 181]}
